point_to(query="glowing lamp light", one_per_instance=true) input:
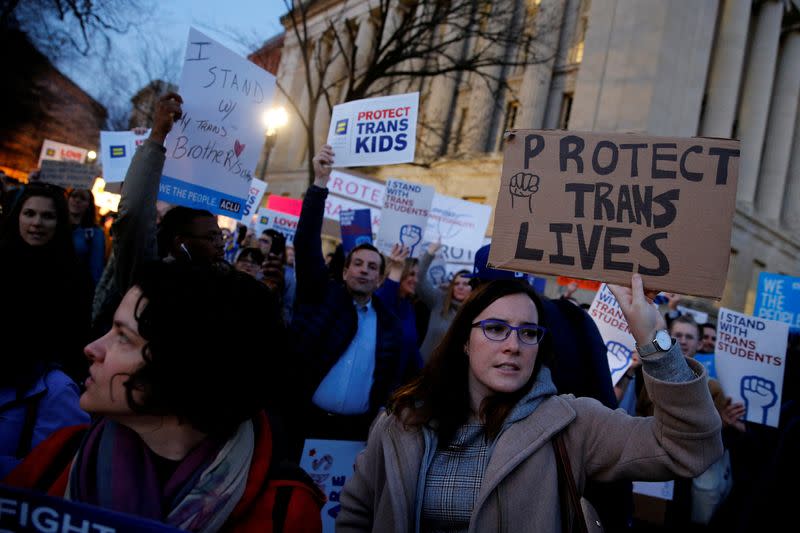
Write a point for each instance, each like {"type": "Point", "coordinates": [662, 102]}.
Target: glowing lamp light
{"type": "Point", "coordinates": [274, 119]}
{"type": "Point", "coordinates": [91, 155]}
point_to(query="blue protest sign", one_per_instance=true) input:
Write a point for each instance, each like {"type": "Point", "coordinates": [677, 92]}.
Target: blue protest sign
{"type": "Point", "coordinates": [356, 225]}
{"type": "Point", "coordinates": [27, 511]}
{"type": "Point", "coordinates": [778, 298]}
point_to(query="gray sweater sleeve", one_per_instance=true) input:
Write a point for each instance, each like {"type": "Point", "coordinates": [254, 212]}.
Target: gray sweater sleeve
{"type": "Point", "coordinates": [429, 294]}
{"type": "Point", "coordinates": [669, 366]}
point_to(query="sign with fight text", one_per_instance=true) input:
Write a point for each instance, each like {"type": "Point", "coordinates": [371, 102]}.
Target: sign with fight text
{"type": "Point", "coordinates": [374, 131]}
{"type": "Point", "coordinates": [56, 151]}
{"type": "Point", "coordinates": [404, 217]}
{"type": "Point", "coordinates": [253, 200]}
{"type": "Point", "coordinates": [116, 151]}
{"type": "Point", "coordinates": [282, 222]}
{"type": "Point", "coordinates": [330, 463]}
{"type": "Point", "coordinates": [778, 298]}
{"type": "Point", "coordinates": [213, 149]}
{"type": "Point", "coordinates": [750, 359]}
{"type": "Point", "coordinates": [604, 205]}
{"type": "Point", "coordinates": [459, 223]}
{"type": "Point", "coordinates": [356, 226]}
{"type": "Point", "coordinates": [613, 327]}
{"type": "Point", "coordinates": [68, 174]}
{"type": "Point", "coordinates": [25, 511]}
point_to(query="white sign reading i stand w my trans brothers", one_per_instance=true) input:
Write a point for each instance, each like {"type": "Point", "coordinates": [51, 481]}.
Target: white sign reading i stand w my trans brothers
{"type": "Point", "coordinates": [750, 359]}
{"type": "Point", "coordinates": [404, 216]}
{"type": "Point", "coordinates": [213, 149]}
{"type": "Point", "coordinates": [374, 131]}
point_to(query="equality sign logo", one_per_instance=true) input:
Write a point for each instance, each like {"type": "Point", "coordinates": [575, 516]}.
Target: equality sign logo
{"type": "Point", "coordinates": [118, 151]}
{"type": "Point", "coordinates": [341, 127]}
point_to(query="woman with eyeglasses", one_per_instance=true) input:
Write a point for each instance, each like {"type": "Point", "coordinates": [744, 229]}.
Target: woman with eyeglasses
{"type": "Point", "coordinates": [481, 441]}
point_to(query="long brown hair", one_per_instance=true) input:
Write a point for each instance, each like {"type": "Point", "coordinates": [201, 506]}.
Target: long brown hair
{"type": "Point", "coordinates": [441, 392]}
{"type": "Point", "coordinates": [448, 298]}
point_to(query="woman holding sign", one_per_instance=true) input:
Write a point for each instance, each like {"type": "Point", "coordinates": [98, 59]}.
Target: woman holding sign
{"type": "Point", "coordinates": [482, 442]}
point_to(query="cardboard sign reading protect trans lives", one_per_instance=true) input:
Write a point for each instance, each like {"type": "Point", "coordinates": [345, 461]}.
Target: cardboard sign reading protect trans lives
{"type": "Point", "coordinates": [602, 206]}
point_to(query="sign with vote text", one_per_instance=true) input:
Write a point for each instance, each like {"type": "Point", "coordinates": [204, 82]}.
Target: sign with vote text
{"type": "Point", "coordinates": [602, 206]}
{"type": "Point", "coordinates": [213, 149]}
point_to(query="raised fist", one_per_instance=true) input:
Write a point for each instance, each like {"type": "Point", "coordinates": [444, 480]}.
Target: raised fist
{"type": "Point", "coordinates": [523, 185]}
{"type": "Point", "coordinates": [410, 236]}
{"type": "Point", "coordinates": [758, 393]}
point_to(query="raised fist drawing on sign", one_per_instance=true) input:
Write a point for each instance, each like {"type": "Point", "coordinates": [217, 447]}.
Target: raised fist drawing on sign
{"type": "Point", "coordinates": [410, 236]}
{"type": "Point", "coordinates": [523, 185]}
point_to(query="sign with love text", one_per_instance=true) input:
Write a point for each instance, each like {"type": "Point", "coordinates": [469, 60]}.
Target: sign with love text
{"type": "Point", "coordinates": [374, 131]}
{"type": "Point", "coordinates": [56, 151]}
{"type": "Point", "coordinates": [213, 149]}
{"type": "Point", "coordinates": [604, 205]}
{"type": "Point", "coordinates": [281, 222]}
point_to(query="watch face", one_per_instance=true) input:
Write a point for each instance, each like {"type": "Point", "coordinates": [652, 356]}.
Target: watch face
{"type": "Point", "coordinates": [663, 340]}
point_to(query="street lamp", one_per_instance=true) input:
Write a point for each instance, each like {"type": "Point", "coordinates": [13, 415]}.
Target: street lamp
{"type": "Point", "coordinates": [91, 155]}
{"type": "Point", "coordinates": [274, 119]}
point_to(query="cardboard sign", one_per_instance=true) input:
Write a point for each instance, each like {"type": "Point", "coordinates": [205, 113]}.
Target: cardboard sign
{"type": "Point", "coordinates": [778, 298]}
{"type": "Point", "coordinates": [24, 511]}
{"type": "Point", "coordinates": [56, 151]}
{"type": "Point", "coordinates": [374, 131]}
{"type": "Point", "coordinates": [404, 216]}
{"type": "Point", "coordinates": [613, 327]}
{"type": "Point", "coordinates": [284, 204]}
{"type": "Point", "coordinates": [330, 463]}
{"type": "Point", "coordinates": [253, 201]}
{"type": "Point", "coordinates": [356, 225]}
{"type": "Point", "coordinates": [68, 174]}
{"type": "Point", "coordinates": [602, 206]}
{"type": "Point", "coordinates": [213, 149]}
{"type": "Point", "coordinates": [282, 222]}
{"type": "Point", "coordinates": [459, 223]}
{"type": "Point", "coordinates": [750, 359]}
{"type": "Point", "coordinates": [116, 152]}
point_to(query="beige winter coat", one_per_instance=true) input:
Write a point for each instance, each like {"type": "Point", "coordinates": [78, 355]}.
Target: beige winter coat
{"type": "Point", "coordinates": [519, 490]}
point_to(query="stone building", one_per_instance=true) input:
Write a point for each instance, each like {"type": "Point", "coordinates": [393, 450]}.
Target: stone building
{"type": "Point", "coordinates": [721, 68]}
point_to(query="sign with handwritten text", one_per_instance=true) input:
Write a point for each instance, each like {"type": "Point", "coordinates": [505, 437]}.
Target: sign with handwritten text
{"type": "Point", "coordinates": [750, 358]}
{"type": "Point", "coordinates": [406, 207]}
{"type": "Point", "coordinates": [778, 298]}
{"type": "Point", "coordinates": [116, 151]}
{"type": "Point", "coordinates": [213, 149]}
{"type": "Point", "coordinates": [459, 223]}
{"type": "Point", "coordinates": [613, 327]}
{"type": "Point", "coordinates": [602, 206]}
{"type": "Point", "coordinates": [330, 463]}
{"type": "Point", "coordinates": [374, 131]}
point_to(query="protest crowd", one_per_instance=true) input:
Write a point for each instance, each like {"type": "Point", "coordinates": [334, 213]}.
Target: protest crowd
{"type": "Point", "coordinates": [185, 376]}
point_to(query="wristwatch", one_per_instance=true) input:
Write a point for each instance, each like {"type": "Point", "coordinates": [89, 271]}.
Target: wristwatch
{"type": "Point", "coordinates": [661, 343]}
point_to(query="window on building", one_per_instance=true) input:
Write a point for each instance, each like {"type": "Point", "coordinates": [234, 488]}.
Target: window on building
{"type": "Point", "coordinates": [459, 136]}
{"type": "Point", "coordinates": [509, 121]}
{"type": "Point", "coordinates": [566, 111]}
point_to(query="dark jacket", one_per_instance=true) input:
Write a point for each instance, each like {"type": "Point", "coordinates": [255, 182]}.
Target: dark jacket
{"type": "Point", "coordinates": [325, 322]}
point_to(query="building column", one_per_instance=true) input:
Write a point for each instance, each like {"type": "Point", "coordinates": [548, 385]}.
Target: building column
{"type": "Point", "coordinates": [790, 216]}
{"type": "Point", "coordinates": [559, 82]}
{"type": "Point", "coordinates": [756, 97]}
{"type": "Point", "coordinates": [536, 80]}
{"type": "Point", "coordinates": [726, 69]}
{"type": "Point", "coordinates": [778, 144]}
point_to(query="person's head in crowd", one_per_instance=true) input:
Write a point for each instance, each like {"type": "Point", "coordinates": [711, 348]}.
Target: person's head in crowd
{"type": "Point", "coordinates": [458, 290]}
{"type": "Point", "coordinates": [709, 339]}
{"type": "Point", "coordinates": [688, 334]}
{"type": "Point", "coordinates": [39, 219]}
{"type": "Point", "coordinates": [290, 255]}
{"type": "Point", "coordinates": [482, 273]}
{"type": "Point", "coordinates": [363, 270]}
{"type": "Point", "coordinates": [159, 364]}
{"type": "Point", "coordinates": [482, 365]}
{"type": "Point", "coordinates": [265, 242]}
{"type": "Point", "coordinates": [82, 209]}
{"type": "Point", "coordinates": [190, 234]}
{"type": "Point", "coordinates": [249, 261]}
{"type": "Point", "coordinates": [408, 280]}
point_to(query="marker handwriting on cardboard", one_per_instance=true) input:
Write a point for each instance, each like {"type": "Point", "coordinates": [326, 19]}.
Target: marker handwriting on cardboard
{"type": "Point", "coordinates": [523, 185]}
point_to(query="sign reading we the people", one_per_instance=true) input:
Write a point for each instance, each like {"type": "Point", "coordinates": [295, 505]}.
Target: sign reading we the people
{"type": "Point", "coordinates": [778, 298]}
{"type": "Point", "coordinates": [603, 206]}
{"type": "Point", "coordinates": [750, 359]}
{"type": "Point", "coordinates": [213, 149]}
{"type": "Point", "coordinates": [375, 131]}
{"type": "Point", "coordinates": [404, 217]}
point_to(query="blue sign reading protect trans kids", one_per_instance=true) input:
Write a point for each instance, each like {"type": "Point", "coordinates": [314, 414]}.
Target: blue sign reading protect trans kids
{"type": "Point", "coordinates": [778, 298]}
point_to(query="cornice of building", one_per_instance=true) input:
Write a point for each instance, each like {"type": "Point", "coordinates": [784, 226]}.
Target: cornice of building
{"type": "Point", "coordinates": [767, 231]}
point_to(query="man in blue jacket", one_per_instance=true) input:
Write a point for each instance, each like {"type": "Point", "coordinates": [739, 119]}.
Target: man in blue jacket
{"type": "Point", "coordinates": [348, 352]}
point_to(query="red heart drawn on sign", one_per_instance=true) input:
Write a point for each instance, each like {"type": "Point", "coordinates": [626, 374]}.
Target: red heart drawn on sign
{"type": "Point", "coordinates": [238, 148]}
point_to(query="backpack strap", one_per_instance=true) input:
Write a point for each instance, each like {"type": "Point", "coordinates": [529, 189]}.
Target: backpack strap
{"type": "Point", "coordinates": [572, 519]}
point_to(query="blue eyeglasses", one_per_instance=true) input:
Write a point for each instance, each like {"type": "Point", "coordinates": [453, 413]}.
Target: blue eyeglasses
{"type": "Point", "coordinates": [499, 330]}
